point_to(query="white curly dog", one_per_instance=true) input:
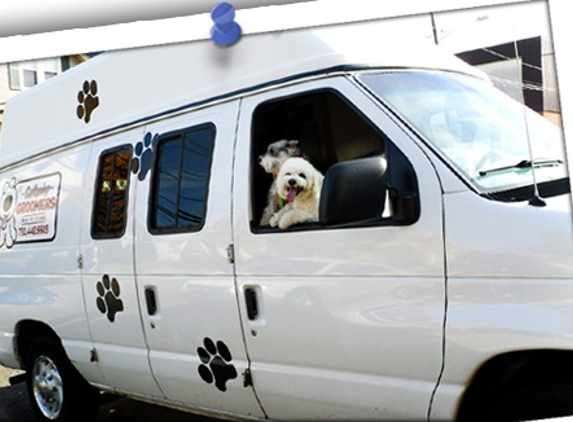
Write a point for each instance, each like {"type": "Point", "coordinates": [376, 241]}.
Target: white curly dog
{"type": "Point", "coordinates": [299, 184]}
{"type": "Point", "coordinates": [277, 153]}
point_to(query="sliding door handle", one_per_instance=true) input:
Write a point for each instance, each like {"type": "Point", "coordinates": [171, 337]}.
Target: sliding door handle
{"type": "Point", "coordinates": [151, 300]}
{"type": "Point", "coordinates": [252, 303]}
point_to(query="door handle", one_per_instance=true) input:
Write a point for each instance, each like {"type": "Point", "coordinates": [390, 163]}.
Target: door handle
{"type": "Point", "coordinates": [151, 300]}
{"type": "Point", "coordinates": [252, 304]}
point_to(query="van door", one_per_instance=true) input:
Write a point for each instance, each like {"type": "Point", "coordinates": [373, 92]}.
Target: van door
{"type": "Point", "coordinates": [108, 278]}
{"type": "Point", "coordinates": [183, 232]}
{"type": "Point", "coordinates": [347, 322]}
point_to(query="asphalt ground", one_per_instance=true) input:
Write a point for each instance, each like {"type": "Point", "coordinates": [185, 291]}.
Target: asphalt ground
{"type": "Point", "coordinates": [15, 406]}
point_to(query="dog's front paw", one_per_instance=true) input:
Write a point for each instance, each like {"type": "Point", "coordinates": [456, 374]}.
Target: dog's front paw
{"type": "Point", "coordinates": [285, 222]}
{"type": "Point", "coordinates": [274, 221]}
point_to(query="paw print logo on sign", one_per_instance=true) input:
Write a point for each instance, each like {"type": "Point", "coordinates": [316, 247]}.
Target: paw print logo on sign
{"type": "Point", "coordinates": [216, 365]}
{"type": "Point", "coordinates": [108, 301]}
{"type": "Point", "coordinates": [143, 157]}
{"type": "Point", "coordinates": [88, 100]}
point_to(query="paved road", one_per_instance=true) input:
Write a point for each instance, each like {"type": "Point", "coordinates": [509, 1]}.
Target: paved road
{"type": "Point", "coordinates": [15, 407]}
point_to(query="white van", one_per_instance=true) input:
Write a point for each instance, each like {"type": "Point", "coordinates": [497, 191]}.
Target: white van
{"type": "Point", "coordinates": [438, 283]}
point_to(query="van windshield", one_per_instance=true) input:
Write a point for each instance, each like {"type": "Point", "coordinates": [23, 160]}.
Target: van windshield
{"type": "Point", "coordinates": [476, 128]}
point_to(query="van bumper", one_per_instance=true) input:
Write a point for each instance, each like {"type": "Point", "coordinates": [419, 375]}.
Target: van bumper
{"type": "Point", "coordinates": [7, 352]}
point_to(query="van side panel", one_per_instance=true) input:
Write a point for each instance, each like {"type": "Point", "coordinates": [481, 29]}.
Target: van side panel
{"type": "Point", "coordinates": [108, 276]}
{"type": "Point", "coordinates": [195, 325]}
{"type": "Point", "coordinates": [507, 293]}
{"type": "Point", "coordinates": [40, 278]}
{"type": "Point", "coordinates": [349, 320]}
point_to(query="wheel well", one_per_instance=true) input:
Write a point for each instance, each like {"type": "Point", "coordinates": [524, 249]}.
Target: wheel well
{"type": "Point", "coordinates": [28, 331]}
{"type": "Point", "coordinates": [502, 372]}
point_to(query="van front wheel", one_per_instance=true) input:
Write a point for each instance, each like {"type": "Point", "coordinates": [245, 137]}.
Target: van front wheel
{"type": "Point", "coordinates": [57, 390]}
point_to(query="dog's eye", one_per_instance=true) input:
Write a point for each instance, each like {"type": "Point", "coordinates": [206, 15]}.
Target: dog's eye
{"type": "Point", "coordinates": [302, 175]}
{"type": "Point", "coordinates": [287, 174]}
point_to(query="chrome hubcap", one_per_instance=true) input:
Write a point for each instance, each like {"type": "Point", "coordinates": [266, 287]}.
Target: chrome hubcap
{"type": "Point", "coordinates": [48, 387]}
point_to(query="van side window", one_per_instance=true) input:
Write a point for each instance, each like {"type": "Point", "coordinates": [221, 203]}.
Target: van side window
{"type": "Point", "coordinates": [110, 209]}
{"type": "Point", "coordinates": [181, 180]}
{"type": "Point", "coordinates": [328, 129]}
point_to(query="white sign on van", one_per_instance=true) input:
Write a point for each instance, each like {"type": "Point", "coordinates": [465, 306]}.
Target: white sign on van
{"type": "Point", "coordinates": [28, 210]}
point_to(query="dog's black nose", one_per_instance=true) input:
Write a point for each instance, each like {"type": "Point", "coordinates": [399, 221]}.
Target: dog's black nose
{"type": "Point", "coordinates": [292, 182]}
{"type": "Point", "coordinates": [260, 159]}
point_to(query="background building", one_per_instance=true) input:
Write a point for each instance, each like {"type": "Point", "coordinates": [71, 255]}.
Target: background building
{"type": "Point", "coordinates": [512, 44]}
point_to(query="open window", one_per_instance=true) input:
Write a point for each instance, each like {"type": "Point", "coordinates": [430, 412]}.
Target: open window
{"type": "Point", "coordinates": [329, 131]}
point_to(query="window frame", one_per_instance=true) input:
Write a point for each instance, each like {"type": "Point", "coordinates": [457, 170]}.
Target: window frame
{"type": "Point", "coordinates": [152, 202]}
{"type": "Point", "coordinates": [390, 152]}
{"type": "Point", "coordinates": [119, 234]}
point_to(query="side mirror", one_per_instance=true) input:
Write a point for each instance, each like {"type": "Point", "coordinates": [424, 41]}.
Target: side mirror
{"type": "Point", "coordinates": [354, 192]}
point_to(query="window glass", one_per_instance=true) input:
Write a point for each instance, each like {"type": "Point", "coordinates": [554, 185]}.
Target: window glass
{"type": "Point", "coordinates": [30, 77]}
{"type": "Point", "coordinates": [494, 141]}
{"type": "Point", "coordinates": [110, 209]}
{"type": "Point", "coordinates": [27, 74]}
{"type": "Point", "coordinates": [167, 184]}
{"type": "Point", "coordinates": [328, 129]}
{"type": "Point", "coordinates": [181, 180]}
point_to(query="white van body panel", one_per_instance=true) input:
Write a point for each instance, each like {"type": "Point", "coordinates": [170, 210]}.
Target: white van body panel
{"type": "Point", "coordinates": [519, 283]}
{"type": "Point", "coordinates": [348, 319]}
{"type": "Point", "coordinates": [194, 281]}
{"type": "Point", "coordinates": [536, 242]}
{"type": "Point", "coordinates": [38, 278]}
{"type": "Point", "coordinates": [121, 346]}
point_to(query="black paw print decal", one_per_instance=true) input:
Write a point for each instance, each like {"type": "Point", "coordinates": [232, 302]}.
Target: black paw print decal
{"type": "Point", "coordinates": [88, 99]}
{"type": "Point", "coordinates": [143, 157]}
{"type": "Point", "coordinates": [108, 300]}
{"type": "Point", "coordinates": [216, 364]}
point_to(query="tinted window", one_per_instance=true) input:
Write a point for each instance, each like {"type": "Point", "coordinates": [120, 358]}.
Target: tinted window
{"type": "Point", "coordinates": [110, 209]}
{"type": "Point", "coordinates": [181, 180]}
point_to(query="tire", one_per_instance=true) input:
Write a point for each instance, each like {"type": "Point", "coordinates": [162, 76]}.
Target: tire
{"type": "Point", "coordinates": [57, 391]}
{"type": "Point", "coordinates": [543, 399]}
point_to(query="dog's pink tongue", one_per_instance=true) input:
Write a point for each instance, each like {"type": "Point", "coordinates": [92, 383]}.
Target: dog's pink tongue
{"type": "Point", "coordinates": [291, 196]}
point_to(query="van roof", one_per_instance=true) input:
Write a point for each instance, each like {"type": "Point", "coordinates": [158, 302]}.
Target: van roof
{"type": "Point", "coordinates": [134, 85]}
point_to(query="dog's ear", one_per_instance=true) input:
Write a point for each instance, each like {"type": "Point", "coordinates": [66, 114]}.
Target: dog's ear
{"type": "Point", "coordinates": [317, 181]}
{"type": "Point", "coordinates": [318, 178]}
{"type": "Point", "coordinates": [310, 176]}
